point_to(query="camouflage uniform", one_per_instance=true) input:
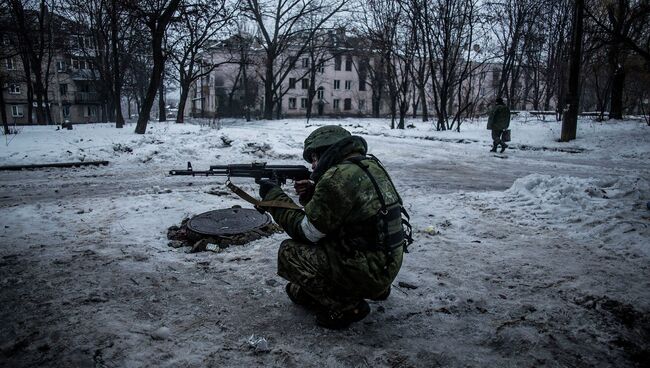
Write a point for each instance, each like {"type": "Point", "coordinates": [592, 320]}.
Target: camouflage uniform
{"type": "Point", "coordinates": [498, 121]}
{"type": "Point", "coordinates": [342, 267]}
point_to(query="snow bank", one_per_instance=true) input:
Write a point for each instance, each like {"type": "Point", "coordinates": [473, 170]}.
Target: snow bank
{"type": "Point", "coordinates": [611, 210]}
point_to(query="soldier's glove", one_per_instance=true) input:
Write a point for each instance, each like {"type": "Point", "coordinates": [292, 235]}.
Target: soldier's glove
{"type": "Point", "coordinates": [265, 187]}
{"type": "Point", "coordinates": [305, 190]}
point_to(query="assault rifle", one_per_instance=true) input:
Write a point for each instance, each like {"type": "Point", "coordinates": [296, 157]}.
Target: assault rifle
{"type": "Point", "coordinates": [258, 171]}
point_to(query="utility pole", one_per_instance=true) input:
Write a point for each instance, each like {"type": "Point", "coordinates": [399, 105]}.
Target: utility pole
{"type": "Point", "coordinates": [570, 116]}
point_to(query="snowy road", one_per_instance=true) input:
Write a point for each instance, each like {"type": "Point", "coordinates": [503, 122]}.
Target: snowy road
{"type": "Point", "coordinates": [437, 175]}
{"type": "Point", "coordinates": [538, 259]}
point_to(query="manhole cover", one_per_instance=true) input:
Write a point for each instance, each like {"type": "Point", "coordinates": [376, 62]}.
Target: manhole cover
{"type": "Point", "coordinates": [229, 221]}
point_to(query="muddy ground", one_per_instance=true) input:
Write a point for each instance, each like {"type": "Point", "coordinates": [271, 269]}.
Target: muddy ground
{"type": "Point", "coordinates": [87, 278]}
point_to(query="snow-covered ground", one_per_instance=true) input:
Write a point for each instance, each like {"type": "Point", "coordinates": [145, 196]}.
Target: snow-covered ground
{"type": "Point", "coordinates": [538, 257]}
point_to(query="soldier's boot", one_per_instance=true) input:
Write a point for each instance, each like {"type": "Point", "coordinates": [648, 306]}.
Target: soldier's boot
{"type": "Point", "coordinates": [383, 296]}
{"type": "Point", "coordinates": [503, 147]}
{"type": "Point", "coordinates": [494, 148]}
{"type": "Point", "coordinates": [339, 318]}
{"type": "Point", "coordinates": [300, 297]}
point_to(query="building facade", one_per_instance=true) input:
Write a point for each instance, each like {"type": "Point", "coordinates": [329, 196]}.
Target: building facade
{"type": "Point", "coordinates": [345, 80]}
{"type": "Point", "coordinates": [69, 79]}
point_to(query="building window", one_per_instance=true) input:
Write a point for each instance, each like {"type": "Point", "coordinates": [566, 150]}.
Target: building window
{"type": "Point", "coordinates": [305, 62]}
{"type": "Point", "coordinates": [292, 83]}
{"type": "Point", "coordinates": [347, 104]}
{"type": "Point", "coordinates": [496, 77]}
{"type": "Point", "coordinates": [10, 64]}
{"type": "Point", "coordinates": [348, 84]}
{"type": "Point", "coordinates": [16, 111]}
{"type": "Point", "coordinates": [348, 63]}
{"type": "Point", "coordinates": [320, 93]}
{"type": "Point", "coordinates": [66, 111]}
{"type": "Point", "coordinates": [60, 66]}
{"type": "Point", "coordinates": [337, 62]}
{"type": "Point", "coordinates": [305, 84]}
{"type": "Point", "coordinates": [90, 111]}
{"type": "Point", "coordinates": [85, 43]}
{"type": "Point", "coordinates": [292, 103]}
{"type": "Point", "coordinates": [303, 103]}
{"type": "Point", "coordinates": [14, 89]}
{"type": "Point", "coordinates": [78, 64]}
{"type": "Point", "coordinates": [362, 105]}
{"type": "Point", "coordinates": [337, 84]}
{"type": "Point", "coordinates": [321, 66]}
{"type": "Point", "coordinates": [63, 89]}
{"type": "Point", "coordinates": [335, 103]}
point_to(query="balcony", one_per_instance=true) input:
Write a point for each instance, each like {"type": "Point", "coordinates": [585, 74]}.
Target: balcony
{"type": "Point", "coordinates": [84, 75]}
{"type": "Point", "coordinates": [86, 97]}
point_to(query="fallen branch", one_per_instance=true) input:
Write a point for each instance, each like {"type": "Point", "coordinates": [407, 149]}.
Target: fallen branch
{"type": "Point", "coordinates": [56, 164]}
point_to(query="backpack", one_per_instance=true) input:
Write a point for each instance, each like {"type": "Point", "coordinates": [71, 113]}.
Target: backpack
{"type": "Point", "coordinates": [391, 223]}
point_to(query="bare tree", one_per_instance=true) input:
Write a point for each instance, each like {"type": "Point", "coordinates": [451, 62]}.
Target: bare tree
{"type": "Point", "coordinates": [241, 50]}
{"type": "Point", "coordinates": [34, 34]}
{"type": "Point", "coordinates": [623, 26]}
{"type": "Point", "coordinates": [200, 23]}
{"type": "Point", "coordinates": [156, 15]}
{"type": "Point", "coordinates": [512, 24]}
{"type": "Point", "coordinates": [380, 20]}
{"type": "Point", "coordinates": [320, 50]}
{"type": "Point", "coordinates": [570, 118]}
{"type": "Point", "coordinates": [282, 31]}
{"type": "Point", "coordinates": [111, 36]}
{"type": "Point", "coordinates": [447, 27]}
{"type": "Point", "coordinates": [6, 53]}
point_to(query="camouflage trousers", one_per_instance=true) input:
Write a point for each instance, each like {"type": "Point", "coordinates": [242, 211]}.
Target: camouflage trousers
{"type": "Point", "coordinates": [496, 137]}
{"type": "Point", "coordinates": [308, 266]}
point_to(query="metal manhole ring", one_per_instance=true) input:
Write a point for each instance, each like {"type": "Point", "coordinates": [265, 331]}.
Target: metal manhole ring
{"type": "Point", "coordinates": [228, 221]}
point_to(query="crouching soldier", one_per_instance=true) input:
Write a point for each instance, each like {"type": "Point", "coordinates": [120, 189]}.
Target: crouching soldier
{"type": "Point", "coordinates": [347, 244]}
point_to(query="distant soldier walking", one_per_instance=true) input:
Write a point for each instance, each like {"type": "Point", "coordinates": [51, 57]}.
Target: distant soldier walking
{"type": "Point", "coordinates": [498, 122]}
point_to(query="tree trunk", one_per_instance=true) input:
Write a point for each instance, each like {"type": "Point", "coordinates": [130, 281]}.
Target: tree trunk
{"type": "Point", "coordinates": [157, 33]}
{"type": "Point", "coordinates": [117, 85]}
{"type": "Point", "coordinates": [3, 110]}
{"type": "Point", "coordinates": [30, 98]}
{"type": "Point", "coordinates": [247, 110]}
{"type": "Point", "coordinates": [268, 89]}
{"type": "Point", "coordinates": [154, 84]}
{"type": "Point", "coordinates": [128, 107]}
{"type": "Point", "coordinates": [425, 107]}
{"type": "Point", "coordinates": [570, 118]}
{"type": "Point", "coordinates": [162, 111]}
{"type": "Point", "coordinates": [40, 111]}
{"type": "Point", "coordinates": [185, 91]}
{"type": "Point", "coordinates": [618, 84]}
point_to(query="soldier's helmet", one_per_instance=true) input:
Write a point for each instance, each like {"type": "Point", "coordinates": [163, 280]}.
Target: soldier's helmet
{"type": "Point", "coordinates": [322, 138]}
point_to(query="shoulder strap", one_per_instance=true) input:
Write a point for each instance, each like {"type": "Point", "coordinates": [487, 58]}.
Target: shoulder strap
{"type": "Point", "coordinates": [357, 161]}
{"type": "Point", "coordinates": [405, 222]}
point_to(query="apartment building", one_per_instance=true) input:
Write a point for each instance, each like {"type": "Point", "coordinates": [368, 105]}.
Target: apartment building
{"type": "Point", "coordinates": [71, 86]}
{"type": "Point", "coordinates": [344, 85]}
{"type": "Point", "coordinates": [341, 80]}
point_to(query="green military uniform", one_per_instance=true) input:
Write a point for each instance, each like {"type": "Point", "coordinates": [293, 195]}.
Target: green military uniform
{"type": "Point", "coordinates": [498, 121]}
{"type": "Point", "coordinates": [331, 254]}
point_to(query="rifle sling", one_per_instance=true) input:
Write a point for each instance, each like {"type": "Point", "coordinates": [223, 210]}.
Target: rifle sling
{"type": "Point", "coordinates": [252, 200]}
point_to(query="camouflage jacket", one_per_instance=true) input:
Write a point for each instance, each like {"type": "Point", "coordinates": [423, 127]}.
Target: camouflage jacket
{"type": "Point", "coordinates": [337, 217]}
{"type": "Point", "coordinates": [499, 118]}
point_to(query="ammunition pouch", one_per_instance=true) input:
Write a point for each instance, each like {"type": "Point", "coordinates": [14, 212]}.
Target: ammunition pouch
{"type": "Point", "coordinates": [386, 230]}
